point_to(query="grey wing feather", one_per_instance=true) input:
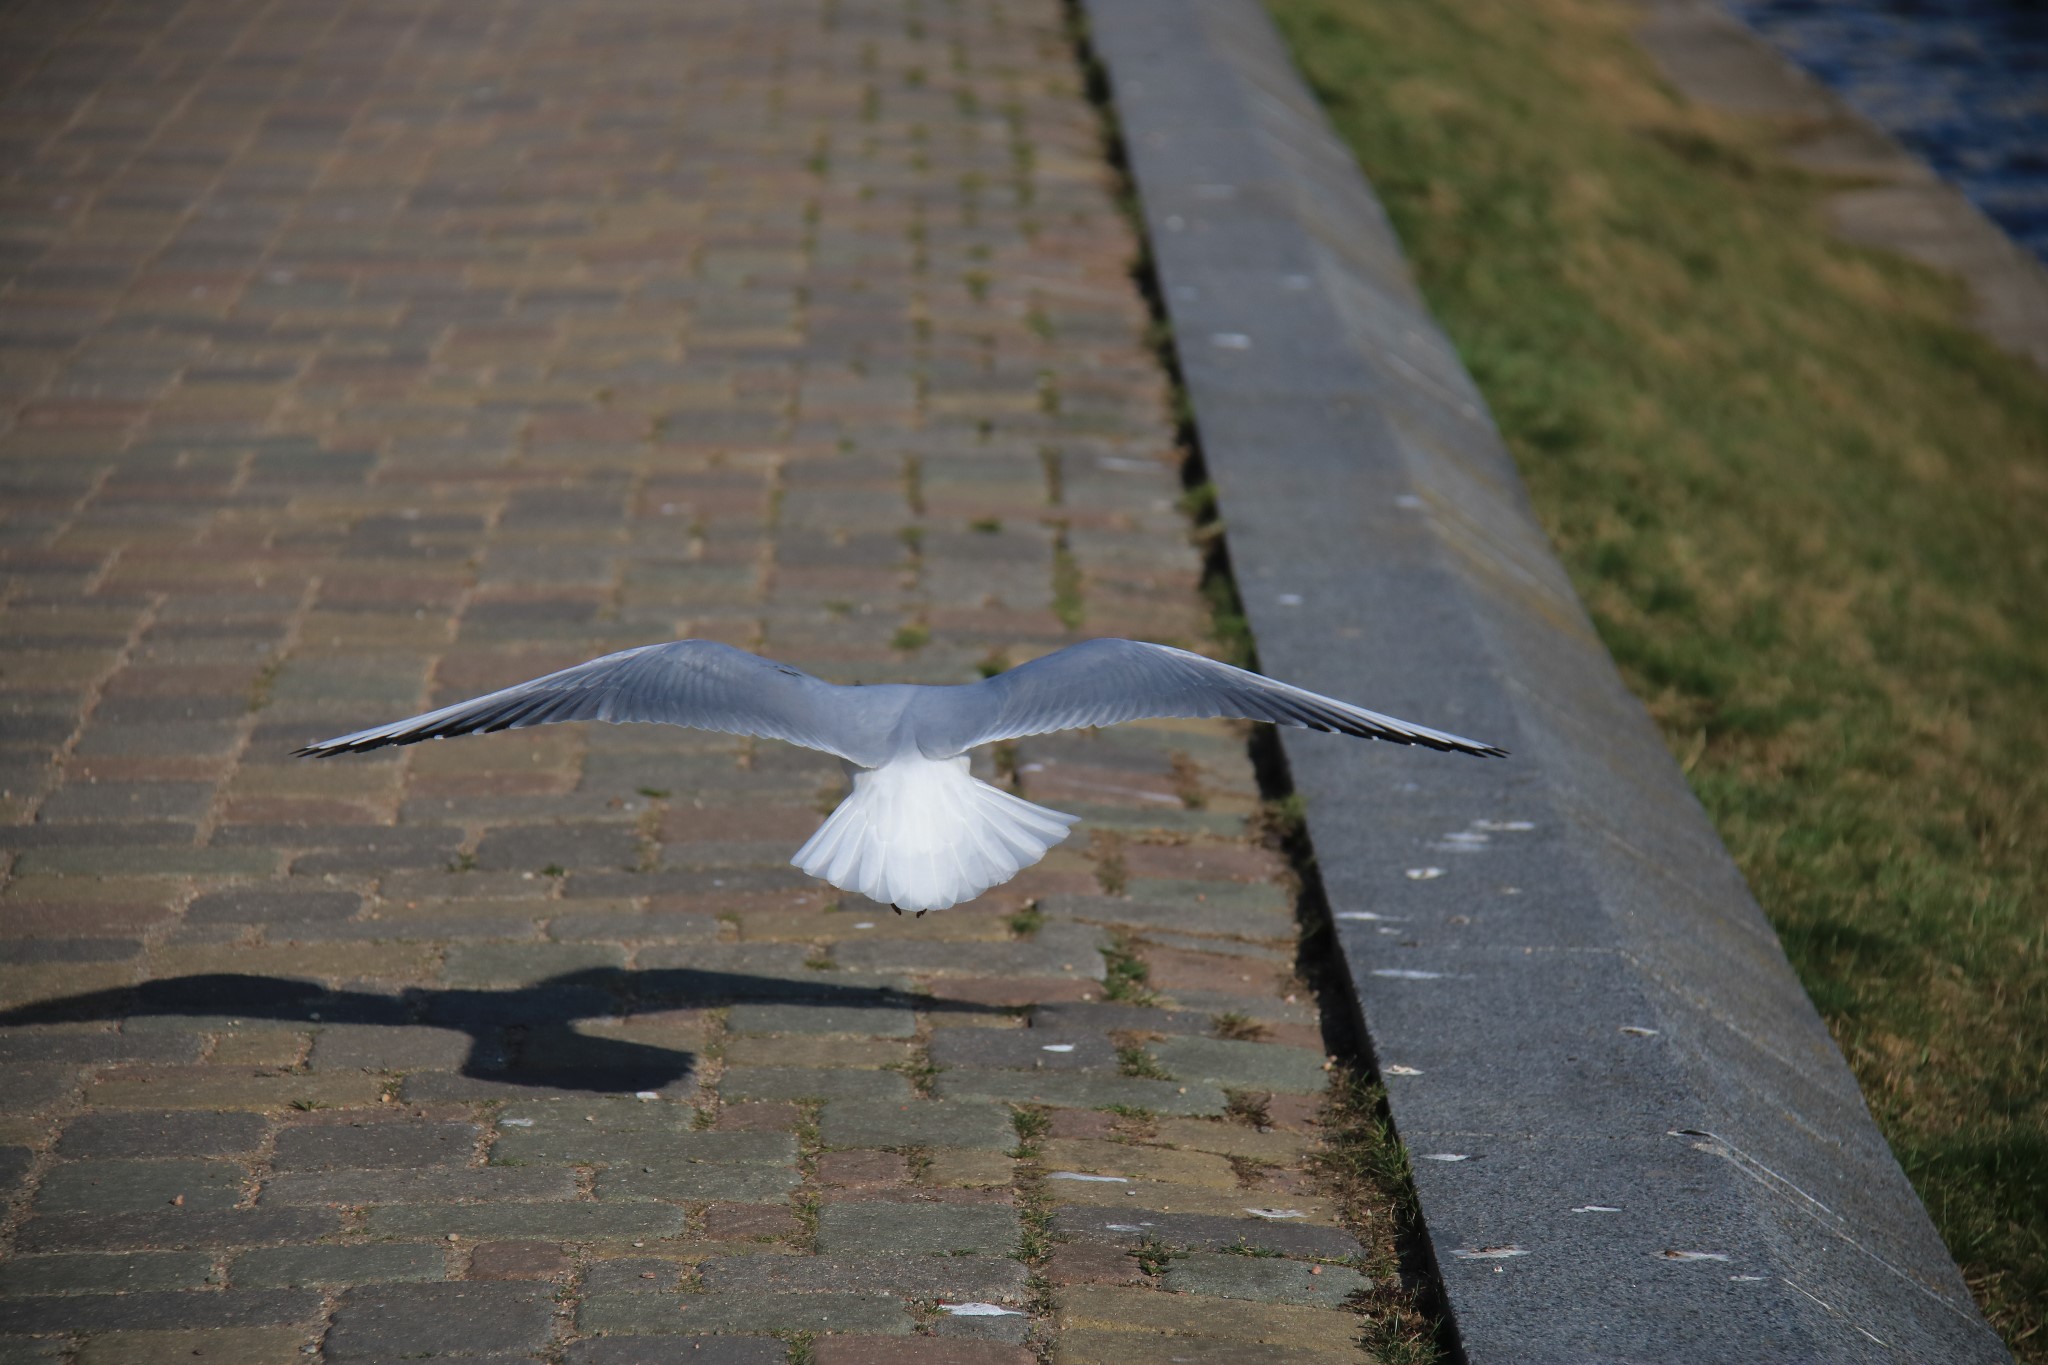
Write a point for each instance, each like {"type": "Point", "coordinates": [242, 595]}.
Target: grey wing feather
{"type": "Point", "coordinates": [1102, 682]}
{"type": "Point", "coordinates": [696, 683]}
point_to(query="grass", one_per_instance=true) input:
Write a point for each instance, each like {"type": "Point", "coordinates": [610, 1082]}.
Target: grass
{"type": "Point", "coordinates": [1125, 976]}
{"type": "Point", "coordinates": [1364, 1168]}
{"type": "Point", "coordinates": [1804, 505]}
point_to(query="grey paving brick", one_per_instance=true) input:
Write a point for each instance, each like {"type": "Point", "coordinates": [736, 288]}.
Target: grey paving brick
{"type": "Point", "coordinates": [521, 964]}
{"type": "Point", "coordinates": [1268, 1279]}
{"type": "Point", "coordinates": [743, 1313]}
{"type": "Point", "coordinates": [1202, 1232]}
{"type": "Point", "coordinates": [139, 1186]}
{"type": "Point", "coordinates": [611, 925]}
{"type": "Point", "coordinates": [37, 1350]}
{"type": "Point", "coordinates": [1009, 1329]}
{"type": "Point", "coordinates": [1228, 916]}
{"type": "Point", "coordinates": [328, 1146]}
{"type": "Point", "coordinates": [568, 1222]}
{"type": "Point", "coordinates": [153, 739]}
{"type": "Point", "coordinates": [919, 1229]}
{"type": "Point", "coordinates": [777, 963]}
{"type": "Point", "coordinates": [1278, 955]}
{"type": "Point", "coordinates": [14, 1167]}
{"type": "Point", "coordinates": [129, 801]}
{"type": "Point", "coordinates": [1156, 819]}
{"type": "Point", "coordinates": [159, 1311]}
{"type": "Point", "coordinates": [1064, 1017]}
{"type": "Point", "coordinates": [698, 1183]}
{"type": "Point", "coordinates": [543, 1006]}
{"type": "Point", "coordinates": [531, 848]}
{"type": "Point", "coordinates": [29, 952]}
{"type": "Point", "coordinates": [407, 1321]}
{"type": "Point", "coordinates": [1244, 1066]}
{"type": "Point", "coordinates": [175, 1228]}
{"type": "Point", "coordinates": [388, 1047]}
{"type": "Point", "coordinates": [414, 1186]}
{"type": "Point", "coordinates": [1247, 896]}
{"type": "Point", "coordinates": [597, 1133]}
{"type": "Point", "coordinates": [88, 839]}
{"type": "Point", "coordinates": [1059, 951]}
{"type": "Point", "coordinates": [376, 850]}
{"type": "Point", "coordinates": [104, 1273]}
{"type": "Point", "coordinates": [116, 861]}
{"type": "Point", "coordinates": [1080, 1090]}
{"type": "Point", "coordinates": [28, 1087]}
{"type": "Point", "coordinates": [1264, 1009]}
{"type": "Point", "coordinates": [995, 1279]}
{"type": "Point", "coordinates": [811, 1083]}
{"type": "Point", "coordinates": [832, 1020]}
{"type": "Point", "coordinates": [1032, 1049]}
{"type": "Point", "coordinates": [917, 1123]}
{"type": "Point", "coordinates": [269, 905]}
{"type": "Point", "coordinates": [438, 1087]}
{"type": "Point", "coordinates": [32, 1045]}
{"type": "Point", "coordinates": [634, 1275]}
{"type": "Point", "coordinates": [328, 1266]}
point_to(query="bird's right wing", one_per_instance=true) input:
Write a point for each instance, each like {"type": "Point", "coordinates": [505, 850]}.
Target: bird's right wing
{"type": "Point", "coordinates": [697, 683]}
{"type": "Point", "coordinates": [1102, 682]}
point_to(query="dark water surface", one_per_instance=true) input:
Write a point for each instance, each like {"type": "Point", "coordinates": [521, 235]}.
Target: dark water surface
{"type": "Point", "coordinates": [1964, 83]}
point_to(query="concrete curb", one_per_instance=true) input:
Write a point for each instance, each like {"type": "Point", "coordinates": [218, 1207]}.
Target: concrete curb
{"type": "Point", "coordinates": [1634, 1138]}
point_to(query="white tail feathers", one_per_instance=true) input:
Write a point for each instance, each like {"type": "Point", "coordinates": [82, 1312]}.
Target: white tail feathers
{"type": "Point", "coordinates": [921, 834]}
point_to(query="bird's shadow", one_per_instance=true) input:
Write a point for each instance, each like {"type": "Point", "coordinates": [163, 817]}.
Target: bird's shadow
{"type": "Point", "coordinates": [521, 1036]}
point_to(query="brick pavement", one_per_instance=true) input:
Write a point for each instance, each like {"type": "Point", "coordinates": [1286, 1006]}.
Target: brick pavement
{"type": "Point", "coordinates": [361, 355]}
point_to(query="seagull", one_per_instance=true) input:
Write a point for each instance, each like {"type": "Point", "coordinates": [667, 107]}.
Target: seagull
{"type": "Point", "coordinates": [916, 832]}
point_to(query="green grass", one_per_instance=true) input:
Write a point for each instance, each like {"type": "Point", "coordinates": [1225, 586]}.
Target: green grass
{"type": "Point", "coordinates": [1126, 978]}
{"type": "Point", "coordinates": [1806, 508]}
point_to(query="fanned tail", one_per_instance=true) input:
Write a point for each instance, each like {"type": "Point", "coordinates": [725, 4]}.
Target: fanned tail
{"type": "Point", "coordinates": [921, 834]}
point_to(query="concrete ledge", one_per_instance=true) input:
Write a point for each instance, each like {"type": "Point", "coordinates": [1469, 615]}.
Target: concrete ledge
{"type": "Point", "coordinates": [1635, 1139]}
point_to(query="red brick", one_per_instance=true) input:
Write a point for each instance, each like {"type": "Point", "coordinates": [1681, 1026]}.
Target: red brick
{"type": "Point", "coordinates": [1093, 1263]}
{"type": "Point", "coordinates": [863, 1170]}
{"type": "Point", "coordinates": [518, 1261]}
{"type": "Point", "coordinates": [1177, 969]}
{"type": "Point", "coordinates": [1004, 990]}
{"type": "Point", "coordinates": [834, 1350]}
{"type": "Point", "coordinates": [739, 1221]}
{"type": "Point", "coordinates": [758, 1116]}
{"type": "Point", "coordinates": [1213, 861]}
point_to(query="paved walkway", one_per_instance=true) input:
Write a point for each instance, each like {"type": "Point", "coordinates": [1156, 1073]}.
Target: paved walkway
{"type": "Point", "coordinates": [361, 354]}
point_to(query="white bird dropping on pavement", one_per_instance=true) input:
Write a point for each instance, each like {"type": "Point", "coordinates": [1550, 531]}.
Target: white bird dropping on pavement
{"type": "Point", "coordinates": [918, 831]}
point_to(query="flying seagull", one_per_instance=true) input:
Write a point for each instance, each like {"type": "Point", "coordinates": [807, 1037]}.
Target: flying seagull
{"type": "Point", "coordinates": [918, 832]}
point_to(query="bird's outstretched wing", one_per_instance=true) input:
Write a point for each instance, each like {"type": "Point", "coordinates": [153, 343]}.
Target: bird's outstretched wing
{"type": "Point", "coordinates": [1102, 682]}
{"type": "Point", "coordinates": [698, 683]}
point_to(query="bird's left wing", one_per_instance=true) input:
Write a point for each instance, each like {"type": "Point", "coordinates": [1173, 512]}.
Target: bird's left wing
{"type": "Point", "coordinates": [697, 683]}
{"type": "Point", "coordinates": [1102, 682]}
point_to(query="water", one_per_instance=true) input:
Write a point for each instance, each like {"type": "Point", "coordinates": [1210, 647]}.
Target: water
{"type": "Point", "coordinates": [1964, 83]}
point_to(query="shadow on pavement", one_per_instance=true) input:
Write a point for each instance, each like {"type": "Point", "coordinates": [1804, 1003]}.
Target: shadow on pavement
{"type": "Point", "coordinates": [518, 1035]}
